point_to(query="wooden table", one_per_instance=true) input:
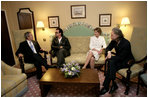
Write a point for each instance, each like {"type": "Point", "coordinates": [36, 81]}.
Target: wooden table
{"type": "Point", "coordinates": [54, 76]}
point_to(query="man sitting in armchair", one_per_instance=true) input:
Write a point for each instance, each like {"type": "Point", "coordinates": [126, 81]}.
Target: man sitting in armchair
{"type": "Point", "coordinates": [30, 50]}
{"type": "Point", "coordinates": [60, 47]}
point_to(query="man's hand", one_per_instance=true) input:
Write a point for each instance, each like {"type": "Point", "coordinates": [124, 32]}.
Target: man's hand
{"type": "Point", "coordinates": [61, 46]}
{"type": "Point", "coordinates": [99, 52]}
{"type": "Point", "coordinates": [20, 55]}
{"type": "Point", "coordinates": [94, 49]}
{"type": "Point", "coordinates": [42, 49]}
{"type": "Point", "coordinates": [108, 55]}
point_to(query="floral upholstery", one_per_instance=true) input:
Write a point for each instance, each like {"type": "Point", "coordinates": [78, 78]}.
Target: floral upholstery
{"type": "Point", "coordinates": [13, 82]}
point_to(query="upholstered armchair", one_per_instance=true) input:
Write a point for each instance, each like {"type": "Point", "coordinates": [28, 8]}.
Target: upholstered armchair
{"type": "Point", "coordinates": [131, 72]}
{"type": "Point", "coordinates": [27, 68]}
{"type": "Point", "coordinates": [139, 51]}
{"type": "Point", "coordinates": [13, 81]}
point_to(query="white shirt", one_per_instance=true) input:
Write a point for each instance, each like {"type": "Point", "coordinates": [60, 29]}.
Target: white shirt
{"type": "Point", "coordinates": [97, 43]}
{"type": "Point", "coordinates": [30, 43]}
{"type": "Point", "coordinates": [60, 39]}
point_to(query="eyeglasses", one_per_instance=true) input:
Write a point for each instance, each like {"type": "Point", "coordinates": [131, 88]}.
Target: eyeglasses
{"type": "Point", "coordinates": [56, 32]}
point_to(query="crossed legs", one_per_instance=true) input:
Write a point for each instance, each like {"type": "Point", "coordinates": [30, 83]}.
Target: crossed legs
{"type": "Point", "coordinates": [90, 58]}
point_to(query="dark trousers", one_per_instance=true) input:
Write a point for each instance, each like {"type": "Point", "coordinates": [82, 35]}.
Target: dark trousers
{"type": "Point", "coordinates": [38, 62]}
{"type": "Point", "coordinates": [61, 54]}
{"type": "Point", "coordinates": [112, 67]}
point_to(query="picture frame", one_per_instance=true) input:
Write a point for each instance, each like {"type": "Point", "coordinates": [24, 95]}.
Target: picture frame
{"type": "Point", "coordinates": [78, 11]}
{"type": "Point", "coordinates": [105, 20]}
{"type": "Point", "coordinates": [53, 21]}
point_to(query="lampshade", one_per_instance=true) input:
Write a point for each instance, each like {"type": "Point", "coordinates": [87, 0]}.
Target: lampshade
{"type": "Point", "coordinates": [125, 21]}
{"type": "Point", "coordinates": [40, 24]}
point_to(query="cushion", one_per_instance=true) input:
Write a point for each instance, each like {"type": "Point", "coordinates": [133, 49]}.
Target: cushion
{"type": "Point", "coordinates": [144, 78]}
{"type": "Point", "coordinates": [9, 82]}
{"type": "Point", "coordinates": [6, 69]}
{"type": "Point", "coordinates": [17, 91]}
{"type": "Point", "coordinates": [135, 69]}
{"type": "Point", "coordinates": [19, 36]}
{"type": "Point", "coordinates": [28, 66]}
{"type": "Point", "coordinates": [79, 44]}
{"type": "Point", "coordinates": [80, 58]}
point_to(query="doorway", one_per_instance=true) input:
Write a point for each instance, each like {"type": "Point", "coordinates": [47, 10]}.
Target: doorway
{"type": "Point", "coordinates": [6, 47]}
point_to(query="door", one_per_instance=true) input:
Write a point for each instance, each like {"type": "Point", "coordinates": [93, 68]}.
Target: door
{"type": "Point", "coordinates": [6, 48]}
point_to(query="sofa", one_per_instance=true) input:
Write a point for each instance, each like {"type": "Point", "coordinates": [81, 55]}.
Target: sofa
{"type": "Point", "coordinates": [13, 81]}
{"type": "Point", "coordinates": [79, 34]}
{"type": "Point", "coordinates": [79, 49]}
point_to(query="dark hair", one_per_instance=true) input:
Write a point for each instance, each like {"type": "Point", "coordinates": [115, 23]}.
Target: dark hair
{"type": "Point", "coordinates": [118, 32]}
{"type": "Point", "coordinates": [98, 30]}
{"type": "Point", "coordinates": [60, 31]}
{"type": "Point", "coordinates": [26, 35]}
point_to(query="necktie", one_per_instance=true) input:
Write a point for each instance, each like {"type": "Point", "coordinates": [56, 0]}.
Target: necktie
{"type": "Point", "coordinates": [31, 46]}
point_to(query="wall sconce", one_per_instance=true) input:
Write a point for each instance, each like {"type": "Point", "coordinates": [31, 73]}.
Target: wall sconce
{"type": "Point", "coordinates": [40, 24]}
{"type": "Point", "coordinates": [125, 21]}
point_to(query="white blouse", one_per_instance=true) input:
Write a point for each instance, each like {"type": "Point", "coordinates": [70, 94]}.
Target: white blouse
{"type": "Point", "coordinates": [97, 43]}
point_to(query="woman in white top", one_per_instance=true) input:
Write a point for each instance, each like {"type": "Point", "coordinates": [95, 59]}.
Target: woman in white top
{"type": "Point", "coordinates": [97, 43]}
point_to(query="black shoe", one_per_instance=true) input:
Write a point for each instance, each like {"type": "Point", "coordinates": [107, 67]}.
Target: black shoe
{"type": "Point", "coordinates": [39, 77]}
{"type": "Point", "coordinates": [52, 66]}
{"type": "Point", "coordinates": [104, 90]}
{"type": "Point", "coordinates": [113, 88]}
{"type": "Point", "coordinates": [59, 66]}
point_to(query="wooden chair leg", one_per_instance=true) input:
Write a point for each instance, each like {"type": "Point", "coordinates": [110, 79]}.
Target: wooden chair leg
{"type": "Point", "coordinates": [127, 83]}
{"type": "Point", "coordinates": [21, 64]}
{"type": "Point", "coordinates": [138, 85]}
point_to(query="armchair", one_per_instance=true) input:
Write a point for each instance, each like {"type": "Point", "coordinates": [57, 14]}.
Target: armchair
{"type": "Point", "coordinates": [27, 68]}
{"type": "Point", "coordinates": [13, 82]}
{"type": "Point", "coordinates": [131, 72]}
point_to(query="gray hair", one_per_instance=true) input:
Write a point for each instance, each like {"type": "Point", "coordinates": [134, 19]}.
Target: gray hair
{"type": "Point", "coordinates": [26, 35]}
{"type": "Point", "coordinates": [118, 32]}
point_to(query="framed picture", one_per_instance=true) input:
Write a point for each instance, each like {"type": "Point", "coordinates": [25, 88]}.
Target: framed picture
{"type": "Point", "coordinates": [105, 20]}
{"type": "Point", "coordinates": [78, 11]}
{"type": "Point", "coordinates": [53, 21]}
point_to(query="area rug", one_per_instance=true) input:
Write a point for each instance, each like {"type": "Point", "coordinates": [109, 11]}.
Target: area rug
{"type": "Point", "coordinates": [74, 91]}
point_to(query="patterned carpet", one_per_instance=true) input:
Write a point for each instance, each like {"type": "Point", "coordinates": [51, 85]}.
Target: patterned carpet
{"type": "Point", "coordinates": [77, 91]}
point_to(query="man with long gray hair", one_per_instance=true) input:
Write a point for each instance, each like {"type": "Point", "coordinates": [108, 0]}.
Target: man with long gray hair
{"type": "Point", "coordinates": [119, 61]}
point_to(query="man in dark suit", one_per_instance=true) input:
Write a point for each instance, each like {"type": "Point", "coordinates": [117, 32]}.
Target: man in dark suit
{"type": "Point", "coordinates": [119, 61]}
{"type": "Point", "coordinates": [60, 47]}
{"type": "Point", "coordinates": [30, 50]}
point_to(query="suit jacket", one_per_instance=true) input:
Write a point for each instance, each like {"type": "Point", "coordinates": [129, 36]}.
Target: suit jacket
{"type": "Point", "coordinates": [25, 49]}
{"type": "Point", "coordinates": [55, 46]}
{"type": "Point", "coordinates": [123, 51]}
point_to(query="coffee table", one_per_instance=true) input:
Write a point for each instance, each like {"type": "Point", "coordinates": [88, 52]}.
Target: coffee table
{"type": "Point", "coordinates": [53, 76]}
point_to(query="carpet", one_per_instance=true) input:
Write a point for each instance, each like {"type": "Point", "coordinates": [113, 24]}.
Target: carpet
{"type": "Point", "coordinates": [74, 91]}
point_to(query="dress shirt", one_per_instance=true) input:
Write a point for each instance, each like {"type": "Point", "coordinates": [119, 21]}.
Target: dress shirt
{"type": "Point", "coordinates": [30, 43]}
{"type": "Point", "coordinates": [60, 39]}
